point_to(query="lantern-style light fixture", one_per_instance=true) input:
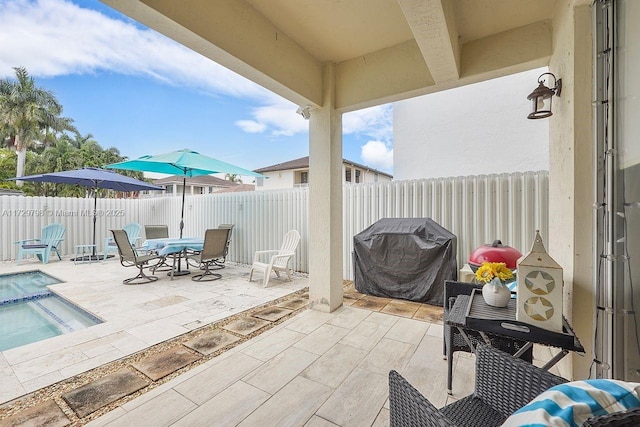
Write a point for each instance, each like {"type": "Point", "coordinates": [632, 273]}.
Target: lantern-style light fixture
{"type": "Point", "coordinates": [542, 97]}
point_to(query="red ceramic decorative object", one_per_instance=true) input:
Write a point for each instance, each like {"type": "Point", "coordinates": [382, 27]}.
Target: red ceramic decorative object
{"type": "Point", "coordinates": [494, 252]}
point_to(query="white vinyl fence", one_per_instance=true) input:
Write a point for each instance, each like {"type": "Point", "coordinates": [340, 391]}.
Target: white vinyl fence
{"type": "Point", "coordinates": [477, 209]}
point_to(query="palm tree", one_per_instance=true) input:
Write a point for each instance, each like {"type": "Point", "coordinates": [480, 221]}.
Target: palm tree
{"type": "Point", "coordinates": [28, 115]}
{"type": "Point", "coordinates": [233, 178]}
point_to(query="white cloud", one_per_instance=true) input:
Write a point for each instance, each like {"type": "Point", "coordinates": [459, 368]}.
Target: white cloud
{"type": "Point", "coordinates": [376, 122]}
{"type": "Point", "coordinates": [251, 126]}
{"type": "Point", "coordinates": [56, 38]}
{"type": "Point", "coordinates": [281, 118]}
{"type": "Point", "coordinates": [378, 154]}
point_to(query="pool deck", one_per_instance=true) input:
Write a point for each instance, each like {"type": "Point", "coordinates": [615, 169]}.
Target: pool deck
{"type": "Point", "coordinates": [307, 369]}
{"type": "Point", "coordinates": [135, 316]}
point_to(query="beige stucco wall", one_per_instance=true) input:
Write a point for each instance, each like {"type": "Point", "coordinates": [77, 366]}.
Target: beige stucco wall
{"type": "Point", "coordinates": [278, 179]}
{"type": "Point", "coordinates": [571, 178]}
{"type": "Point", "coordinates": [470, 130]}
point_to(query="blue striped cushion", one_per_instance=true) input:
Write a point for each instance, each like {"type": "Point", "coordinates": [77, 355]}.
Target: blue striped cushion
{"type": "Point", "coordinates": [572, 403]}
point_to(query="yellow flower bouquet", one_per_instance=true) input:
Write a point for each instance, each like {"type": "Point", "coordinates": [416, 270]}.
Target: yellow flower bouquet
{"type": "Point", "coordinates": [490, 270]}
{"type": "Point", "coordinates": [494, 275]}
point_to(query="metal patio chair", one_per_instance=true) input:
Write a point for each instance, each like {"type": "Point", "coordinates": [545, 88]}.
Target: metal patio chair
{"type": "Point", "coordinates": [130, 257]}
{"type": "Point", "coordinates": [213, 248]}
{"type": "Point", "coordinates": [158, 232]}
{"type": "Point", "coordinates": [278, 260]}
{"type": "Point", "coordinates": [48, 242]}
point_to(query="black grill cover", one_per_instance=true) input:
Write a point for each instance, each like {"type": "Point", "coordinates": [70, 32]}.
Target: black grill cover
{"type": "Point", "coordinates": [408, 258]}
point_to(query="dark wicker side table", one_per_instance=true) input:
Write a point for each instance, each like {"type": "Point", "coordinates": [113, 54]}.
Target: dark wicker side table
{"type": "Point", "coordinates": [470, 312]}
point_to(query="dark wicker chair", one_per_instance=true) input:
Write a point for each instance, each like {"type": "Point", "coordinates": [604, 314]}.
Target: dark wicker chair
{"type": "Point", "coordinates": [213, 248]}
{"type": "Point", "coordinates": [130, 257]}
{"type": "Point", "coordinates": [503, 385]}
{"type": "Point", "coordinates": [629, 418]}
{"type": "Point", "coordinates": [454, 340]}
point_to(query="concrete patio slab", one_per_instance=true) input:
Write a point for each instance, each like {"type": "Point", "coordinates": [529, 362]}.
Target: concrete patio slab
{"type": "Point", "coordinates": [272, 314]}
{"type": "Point", "coordinates": [429, 313]}
{"type": "Point", "coordinates": [245, 326]}
{"type": "Point", "coordinates": [212, 341]}
{"type": "Point", "coordinates": [162, 364]}
{"type": "Point", "coordinates": [294, 304]}
{"type": "Point", "coordinates": [46, 414]}
{"type": "Point", "coordinates": [401, 308]}
{"type": "Point", "coordinates": [371, 303]}
{"type": "Point", "coordinates": [102, 392]}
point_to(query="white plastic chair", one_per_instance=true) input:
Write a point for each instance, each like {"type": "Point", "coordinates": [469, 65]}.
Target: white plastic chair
{"type": "Point", "coordinates": [278, 261]}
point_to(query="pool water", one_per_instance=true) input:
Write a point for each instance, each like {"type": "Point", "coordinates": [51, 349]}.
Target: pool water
{"type": "Point", "coordinates": [29, 312]}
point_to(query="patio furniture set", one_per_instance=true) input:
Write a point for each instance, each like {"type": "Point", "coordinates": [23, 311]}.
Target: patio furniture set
{"type": "Point", "coordinates": [509, 389]}
{"type": "Point", "coordinates": [208, 254]}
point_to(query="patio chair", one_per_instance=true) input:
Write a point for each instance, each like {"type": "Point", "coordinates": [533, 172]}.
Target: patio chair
{"type": "Point", "coordinates": [130, 257]}
{"type": "Point", "coordinates": [49, 240]}
{"type": "Point", "coordinates": [213, 248]}
{"type": "Point", "coordinates": [133, 231]}
{"type": "Point", "coordinates": [158, 232]}
{"type": "Point", "coordinates": [218, 263]}
{"type": "Point", "coordinates": [503, 385]}
{"type": "Point", "coordinates": [278, 261]}
{"type": "Point", "coordinates": [455, 341]}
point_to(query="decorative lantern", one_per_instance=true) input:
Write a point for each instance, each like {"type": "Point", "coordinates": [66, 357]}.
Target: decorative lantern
{"type": "Point", "coordinates": [542, 97]}
{"type": "Point", "coordinates": [539, 300]}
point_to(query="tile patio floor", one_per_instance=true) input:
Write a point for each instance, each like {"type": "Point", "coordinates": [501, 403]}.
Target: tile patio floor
{"type": "Point", "coordinates": [314, 369]}
{"type": "Point", "coordinates": [136, 317]}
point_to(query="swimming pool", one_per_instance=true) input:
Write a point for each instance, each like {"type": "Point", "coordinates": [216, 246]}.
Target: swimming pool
{"type": "Point", "coordinates": [29, 312]}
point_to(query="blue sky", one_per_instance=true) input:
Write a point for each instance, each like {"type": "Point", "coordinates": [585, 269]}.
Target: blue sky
{"type": "Point", "coordinates": [138, 91]}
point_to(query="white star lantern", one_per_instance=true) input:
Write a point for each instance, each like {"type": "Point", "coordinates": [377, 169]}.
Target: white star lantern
{"type": "Point", "coordinates": [539, 289]}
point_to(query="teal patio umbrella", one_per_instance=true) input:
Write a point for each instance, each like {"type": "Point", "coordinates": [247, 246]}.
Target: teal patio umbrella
{"type": "Point", "coordinates": [182, 162]}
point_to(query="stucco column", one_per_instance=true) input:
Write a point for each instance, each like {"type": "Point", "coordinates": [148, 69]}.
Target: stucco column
{"type": "Point", "coordinates": [571, 176]}
{"type": "Point", "coordinates": [325, 200]}
{"type": "Point", "coordinates": [175, 190]}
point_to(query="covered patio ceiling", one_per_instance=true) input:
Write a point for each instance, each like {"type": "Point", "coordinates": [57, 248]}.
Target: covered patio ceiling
{"type": "Point", "coordinates": [383, 50]}
{"type": "Point", "coordinates": [337, 56]}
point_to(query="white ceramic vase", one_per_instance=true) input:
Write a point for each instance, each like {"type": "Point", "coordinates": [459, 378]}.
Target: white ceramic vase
{"type": "Point", "coordinates": [496, 293]}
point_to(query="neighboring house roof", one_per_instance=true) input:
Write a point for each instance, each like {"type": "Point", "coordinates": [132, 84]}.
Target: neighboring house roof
{"type": "Point", "coordinates": [203, 180]}
{"type": "Point", "coordinates": [303, 163]}
{"type": "Point", "coordinates": [237, 188]}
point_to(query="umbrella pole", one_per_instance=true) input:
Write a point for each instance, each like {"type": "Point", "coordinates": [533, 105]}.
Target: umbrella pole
{"type": "Point", "coordinates": [95, 211]}
{"type": "Point", "coordinates": [184, 186]}
{"type": "Point", "coordinates": [179, 271]}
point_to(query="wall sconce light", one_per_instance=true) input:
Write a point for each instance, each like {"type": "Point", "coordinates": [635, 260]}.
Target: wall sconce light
{"type": "Point", "coordinates": [542, 97]}
{"type": "Point", "coordinates": [305, 111]}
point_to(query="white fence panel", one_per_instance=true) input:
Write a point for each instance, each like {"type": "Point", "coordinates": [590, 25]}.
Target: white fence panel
{"type": "Point", "coordinates": [477, 209]}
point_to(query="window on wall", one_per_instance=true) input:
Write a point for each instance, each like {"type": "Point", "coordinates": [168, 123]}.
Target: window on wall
{"type": "Point", "coordinates": [347, 175]}
{"type": "Point", "coordinates": [259, 181]}
{"type": "Point", "coordinates": [357, 176]}
{"type": "Point", "coordinates": [304, 177]}
{"type": "Point", "coordinates": [375, 177]}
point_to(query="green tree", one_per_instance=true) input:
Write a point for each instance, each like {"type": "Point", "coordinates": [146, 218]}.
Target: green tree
{"type": "Point", "coordinates": [233, 178]}
{"type": "Point", "coordinates": [29, 115]}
